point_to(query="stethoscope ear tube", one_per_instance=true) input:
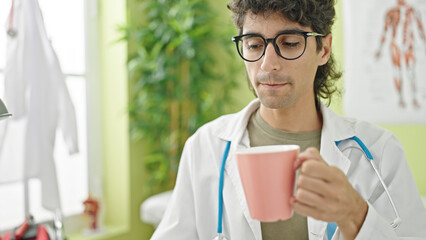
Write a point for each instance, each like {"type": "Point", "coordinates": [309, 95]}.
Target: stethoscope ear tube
{"type": "Point", "coordinates": [368, 156]}
{"type": "Point", "coordinates": [395, 224]}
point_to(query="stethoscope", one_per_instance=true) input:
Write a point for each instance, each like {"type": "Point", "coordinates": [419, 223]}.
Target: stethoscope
{"type": "Point", "coordinates": [331, 227]}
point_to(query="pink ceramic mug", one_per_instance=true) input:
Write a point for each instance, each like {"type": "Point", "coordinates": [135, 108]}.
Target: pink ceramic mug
{"type": "Point", "coordinates": [268, 176]}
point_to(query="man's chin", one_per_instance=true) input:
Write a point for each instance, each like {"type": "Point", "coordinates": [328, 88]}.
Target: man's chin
{"type": "Point", "coordinates": [274, 102]}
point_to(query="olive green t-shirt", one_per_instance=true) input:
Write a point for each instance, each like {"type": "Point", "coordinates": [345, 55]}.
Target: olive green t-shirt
{"type": "Point", "coordinates": [260, 134]}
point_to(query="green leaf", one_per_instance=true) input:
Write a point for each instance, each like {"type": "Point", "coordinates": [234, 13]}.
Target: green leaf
{"type": "Point", "coordinates": [173, 32]}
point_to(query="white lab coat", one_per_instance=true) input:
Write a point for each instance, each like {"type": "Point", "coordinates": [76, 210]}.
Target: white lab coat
{"type": "Point", "coordinates": [193, 210]}
{"type": "Point", "coordinates": [37, 97]}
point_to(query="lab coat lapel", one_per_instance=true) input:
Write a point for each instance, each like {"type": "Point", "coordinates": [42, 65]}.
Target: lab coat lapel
{"type": "Point", "coordinates": [334, 129]}
{"type": "Point", "coordinates": [334, 157]}
{"type": "Point", "coordinates": [238, 135]}
{"type": "Point", "coordinates": [232, 170]}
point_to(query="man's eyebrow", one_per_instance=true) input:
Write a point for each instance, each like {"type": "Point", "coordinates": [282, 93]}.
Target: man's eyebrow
{"type": "Point", "coordinates": [251, 32]}
{"type": "Point", "coordinates": [291, 30]}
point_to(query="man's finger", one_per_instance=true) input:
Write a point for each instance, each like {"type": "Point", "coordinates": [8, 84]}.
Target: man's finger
{"type": "Point", "coordinates": [309, 211]}
{"type": "Point", "coordinates": [309, 154]}
{"type": "Point", "coordinates": [308, 198]}
{"type": "Point", "coordinates": [317, 169]}
{"type": "Point", "coordinates": [312, 184]}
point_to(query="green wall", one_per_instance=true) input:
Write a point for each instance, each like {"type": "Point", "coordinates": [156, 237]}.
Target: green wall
{"type": "Point", "coordinates": [122, 171]}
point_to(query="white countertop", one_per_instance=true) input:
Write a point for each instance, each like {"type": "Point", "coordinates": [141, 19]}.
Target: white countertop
{"type": "Point", "coordinates": [153, 208]}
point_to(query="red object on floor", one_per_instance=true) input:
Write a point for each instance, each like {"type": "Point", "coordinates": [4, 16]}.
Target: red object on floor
{"type": "Point", "coordinates": [19, 233]}
{"type": "Point", "coordinates": [41, 235]}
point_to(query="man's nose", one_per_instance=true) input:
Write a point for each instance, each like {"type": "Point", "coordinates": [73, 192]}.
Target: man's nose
{"type": "Point", "coordinates": [271, 59]}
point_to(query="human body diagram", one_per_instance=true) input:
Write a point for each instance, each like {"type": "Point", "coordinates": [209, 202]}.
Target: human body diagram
{"type": "Point", "coordinates": [402, 21]}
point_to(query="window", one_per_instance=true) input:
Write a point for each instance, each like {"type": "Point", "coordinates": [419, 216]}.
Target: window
{"type": "Point", "coordinates": [65, 25]}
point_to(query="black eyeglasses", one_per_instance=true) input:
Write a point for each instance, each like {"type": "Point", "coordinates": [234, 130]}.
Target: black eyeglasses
{"type": "Point", "coordinates": [289, 44]}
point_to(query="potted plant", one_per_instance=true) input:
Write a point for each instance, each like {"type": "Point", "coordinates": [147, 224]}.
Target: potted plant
{"type": "Point", "coordinates": [176, 83]}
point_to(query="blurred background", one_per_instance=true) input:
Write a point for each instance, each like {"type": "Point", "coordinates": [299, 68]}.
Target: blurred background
{"type": "Point", "coordinates": [142, 76]}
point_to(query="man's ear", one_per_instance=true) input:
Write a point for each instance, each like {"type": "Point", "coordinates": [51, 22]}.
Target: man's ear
{"type": "Point", "coordinates": [325, 52]}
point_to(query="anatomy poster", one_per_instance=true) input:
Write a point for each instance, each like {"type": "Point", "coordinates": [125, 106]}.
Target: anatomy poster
{"type": "Point", "coordinates": [385, 60]}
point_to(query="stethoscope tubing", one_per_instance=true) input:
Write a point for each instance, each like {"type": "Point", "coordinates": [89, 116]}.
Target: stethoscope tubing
{"type": "Point", "coordinates": [222, 171]}
{"type": "Point", "coordinates": [397, 221]}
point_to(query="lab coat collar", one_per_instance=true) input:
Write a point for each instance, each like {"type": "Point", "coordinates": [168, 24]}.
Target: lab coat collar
{"type": "Point", "coordinates": [335, 128]}
{"type": "Point", "coordinates": [234, 130]}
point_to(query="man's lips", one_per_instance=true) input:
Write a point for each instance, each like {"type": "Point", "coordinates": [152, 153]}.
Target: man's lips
{"type": "Point", "coordinates": [273, 85]}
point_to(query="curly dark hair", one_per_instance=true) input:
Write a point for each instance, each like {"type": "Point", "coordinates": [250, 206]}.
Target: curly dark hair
{"type": "Point", "coordinates": [317, 14]}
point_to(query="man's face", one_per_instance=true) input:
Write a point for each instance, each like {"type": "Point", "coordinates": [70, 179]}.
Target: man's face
{"type": "Point", "coordinates": [281, 83]}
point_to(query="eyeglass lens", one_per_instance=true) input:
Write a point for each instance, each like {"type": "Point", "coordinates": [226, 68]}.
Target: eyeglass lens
{"type": "Point", "coordinates": [290, 46]}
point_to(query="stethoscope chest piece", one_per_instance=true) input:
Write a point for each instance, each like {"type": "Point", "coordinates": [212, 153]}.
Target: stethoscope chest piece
{"type": "Point", "coordinates": [220, 236]}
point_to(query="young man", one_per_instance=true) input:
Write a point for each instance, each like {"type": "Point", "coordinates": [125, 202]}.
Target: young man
{"type": "Point", "coordinates": [286, 46]}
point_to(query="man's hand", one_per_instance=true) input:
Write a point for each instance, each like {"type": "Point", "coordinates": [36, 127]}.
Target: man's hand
{"type": "Point", "coordinates": [324, 193]}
